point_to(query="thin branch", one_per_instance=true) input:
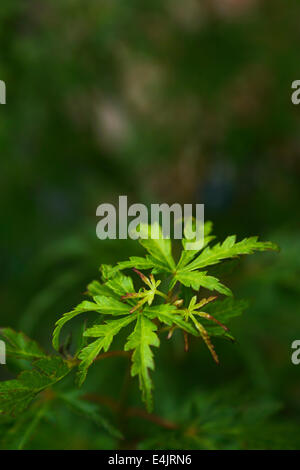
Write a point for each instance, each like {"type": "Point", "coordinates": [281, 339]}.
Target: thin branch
{"type": "Point", "coordinates": [131, 411]}
{"type": "Point", "coordinates": [140, 413]}
{"type": "Point", "coordinates": [112, 354]}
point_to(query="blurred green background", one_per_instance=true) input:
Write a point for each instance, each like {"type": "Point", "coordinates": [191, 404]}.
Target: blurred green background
{"type": "Point", "coordinates": [163, 101]}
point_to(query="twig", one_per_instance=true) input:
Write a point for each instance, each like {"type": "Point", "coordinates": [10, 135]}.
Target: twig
{"type": "Point", "coordinates": [112, 354]}
{"type": "Point", "coordinates": [131, 411]}
{"type": "Point", "coordinates": [164, 423]}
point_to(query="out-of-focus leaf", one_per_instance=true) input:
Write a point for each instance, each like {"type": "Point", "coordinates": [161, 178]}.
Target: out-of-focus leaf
{"type": "Point", "coordinates": [17, 394]}
{"type": "Point", "coordinates": [19, 346]}
{"type": "Point", "coordinates": [77, 402]}
{"type": "Point", "coordinates": [224, 311]}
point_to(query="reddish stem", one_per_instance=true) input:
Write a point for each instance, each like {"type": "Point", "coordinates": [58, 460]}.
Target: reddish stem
{"type": "Point", "coordinates": [112, 354]}
{"type": "Point", "coordinates": [131, 411]}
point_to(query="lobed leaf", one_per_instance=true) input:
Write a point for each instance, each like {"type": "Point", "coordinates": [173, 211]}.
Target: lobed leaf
{"type": "Point", "coordinates": [201, 279]}
{"type": "Point", "coordinates": [188, 255]}
{"type": "Point", "coordinates": [228, 249]}
{"type": "Point", "coordinates": [159, 248]}
{"type": "Point", "coordinates": [83, 307]}
{"type": "Point", "coordinates": [120, 284]}
{"type": "Point", "coordinates": [17, 394]}
{"type": "Point", "coordinates": [111, 306]}
{"type": "Point", "coordinates": [105, 333]}
{"type": "Point", "coordinates": [96, 288]}
{"type": "Point", "coordinates": [138, 262]}
{"type": "Point", "coordinates": [140, 340]}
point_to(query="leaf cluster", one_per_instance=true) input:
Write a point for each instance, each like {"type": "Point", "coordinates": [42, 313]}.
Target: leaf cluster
{"type": "Point", "coordinates": [172, 296]}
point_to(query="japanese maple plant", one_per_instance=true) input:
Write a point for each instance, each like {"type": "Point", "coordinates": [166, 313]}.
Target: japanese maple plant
{"type": "Point", "coordinates": [171, 298]}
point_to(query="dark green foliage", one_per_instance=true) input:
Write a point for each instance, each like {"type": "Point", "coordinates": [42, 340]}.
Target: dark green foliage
{"type": "Point", "coordinates": [200, 95]}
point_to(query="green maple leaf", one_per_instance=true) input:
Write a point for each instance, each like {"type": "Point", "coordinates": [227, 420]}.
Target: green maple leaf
{"type": "Point", "coordinates": [188, 255]}
{"type": "Point", "coordinates": [201, 279]}
{"type": "Point", "coordinates": [140, 340]}
{"type": "Point", "coordinates": [159, 259]}
{"type": "Point", "coordinates": [159, 248]}
{"type": "Point", "coordinates": [105, 333]}
{"type": "Point", "coordinates": [16, 395]}
{"type": "Point", "coordinates": [83, 307]}
{"type": "Point", "coordinates": [188, 268]}
{"type": "Point", "coordinates": [141, 263]}
{"type": "Point", "coordinates": [114, 286]}
{"type": "Point", "coordinates": [103, 304]}
{"type": "Point", "coordinates": [120, 284]}
{"type": "Point", "coordinates": [228, 249]}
